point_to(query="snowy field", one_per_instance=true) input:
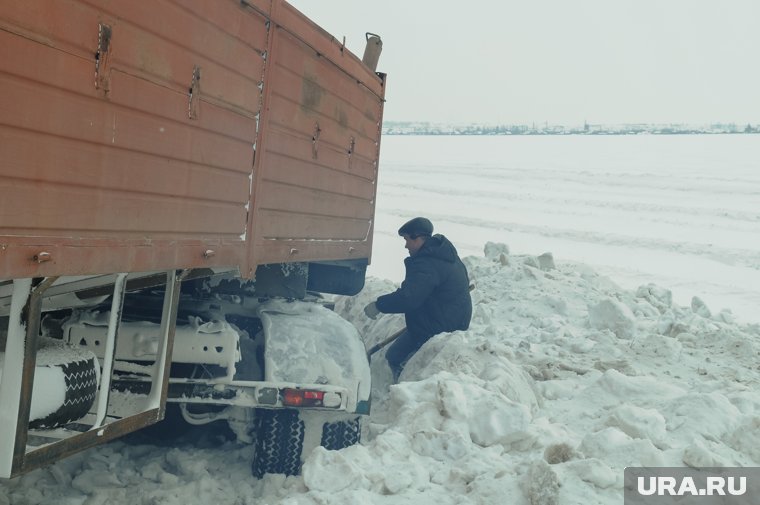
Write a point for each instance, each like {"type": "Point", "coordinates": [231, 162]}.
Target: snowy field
{"type": "Point", "coordinates": [617, 353]}
{"type": "Point", "coordinates": [682, 210]}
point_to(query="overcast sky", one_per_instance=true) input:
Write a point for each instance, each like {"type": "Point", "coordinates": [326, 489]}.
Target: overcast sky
{"type": "Point", "coordinates": [561, 61]}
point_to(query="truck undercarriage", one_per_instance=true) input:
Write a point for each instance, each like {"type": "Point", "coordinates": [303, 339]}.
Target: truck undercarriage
{"type": "Point", "coordinates": [239, 354]}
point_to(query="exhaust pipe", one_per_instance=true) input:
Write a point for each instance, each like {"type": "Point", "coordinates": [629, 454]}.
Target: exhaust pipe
{"type": "Point", "coordinates": [372, 51]}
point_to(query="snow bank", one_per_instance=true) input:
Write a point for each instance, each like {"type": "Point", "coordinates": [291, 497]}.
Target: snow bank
{"type": "Point", "coordinates": [561, 382]}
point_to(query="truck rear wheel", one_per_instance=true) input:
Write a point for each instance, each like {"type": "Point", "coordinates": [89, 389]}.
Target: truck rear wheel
{"type": "Point", "coordinates": [279, 445]}
{"type": "Point", "coordinates": [279, 442]}
{"type": "Point", "coordinates": [341, 434]}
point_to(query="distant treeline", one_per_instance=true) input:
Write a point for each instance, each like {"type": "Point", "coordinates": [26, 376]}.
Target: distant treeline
{"type": "Point", "coordinates": [424, 128]}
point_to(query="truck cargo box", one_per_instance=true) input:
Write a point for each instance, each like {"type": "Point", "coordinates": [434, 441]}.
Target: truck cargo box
{"type": "Point", "coordinates": [145, 136]}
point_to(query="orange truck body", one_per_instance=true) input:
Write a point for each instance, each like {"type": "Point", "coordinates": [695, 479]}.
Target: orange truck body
{"type": "Point", "coordinates": [180, 134]}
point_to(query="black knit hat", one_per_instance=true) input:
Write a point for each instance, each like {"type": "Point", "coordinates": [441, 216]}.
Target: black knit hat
{"type": "Point", "coordinates": [416, 227]}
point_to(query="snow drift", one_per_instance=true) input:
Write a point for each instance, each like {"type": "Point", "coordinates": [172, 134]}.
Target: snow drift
{"type": "Point", "coordinates": [562, 380]}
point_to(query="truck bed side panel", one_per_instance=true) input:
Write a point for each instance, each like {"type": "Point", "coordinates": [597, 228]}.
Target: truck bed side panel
{"type": "Point", "coordinates": [318, 160]}
{"type": "Point", "coordinates": [119, 176]}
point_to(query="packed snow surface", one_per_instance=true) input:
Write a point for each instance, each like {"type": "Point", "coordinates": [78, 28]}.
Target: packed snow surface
{"type": "Point", "coordinates": [562, 381]}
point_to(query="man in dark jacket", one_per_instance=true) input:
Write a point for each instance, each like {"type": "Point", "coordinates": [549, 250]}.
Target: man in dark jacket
{"type": "Point", "coordinates": [434, 296]}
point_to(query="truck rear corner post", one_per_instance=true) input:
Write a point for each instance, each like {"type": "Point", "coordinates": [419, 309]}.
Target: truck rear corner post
{"type": "Point", "coordinates": [175, 199]}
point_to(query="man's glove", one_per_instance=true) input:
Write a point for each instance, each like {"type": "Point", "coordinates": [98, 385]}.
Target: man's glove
{"type": "Point", "coordinates": [371, 310]}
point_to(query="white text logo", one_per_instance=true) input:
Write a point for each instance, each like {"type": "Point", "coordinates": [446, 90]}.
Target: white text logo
{"type": "Point", "coordinates": [715, 486]}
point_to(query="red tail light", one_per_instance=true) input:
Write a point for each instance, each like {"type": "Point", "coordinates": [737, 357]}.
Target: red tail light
{"type": "Point", "coordinates": [302, 398]}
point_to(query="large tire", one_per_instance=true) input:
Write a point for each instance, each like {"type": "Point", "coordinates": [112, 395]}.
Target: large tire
{"type": "Point", "coordinates": [279, 442]}
{"type": "Point", "coordinates": [279, 445]}
{"type": "Point", "coordinates": [80, 373]}
{"type": "Point", "coordinates": [341, 434]}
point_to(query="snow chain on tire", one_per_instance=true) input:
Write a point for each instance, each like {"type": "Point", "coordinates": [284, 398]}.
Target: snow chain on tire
{"type": "Point", "coordinates": [279, 443]}
{"type": "Point", "coordinates": [81, 389]}
{"type": "Point", "coordinates": [341, 434]}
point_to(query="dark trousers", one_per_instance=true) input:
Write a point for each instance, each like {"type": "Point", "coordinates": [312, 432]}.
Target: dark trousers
{"type": "Point", "coordinates": [400, 351]}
